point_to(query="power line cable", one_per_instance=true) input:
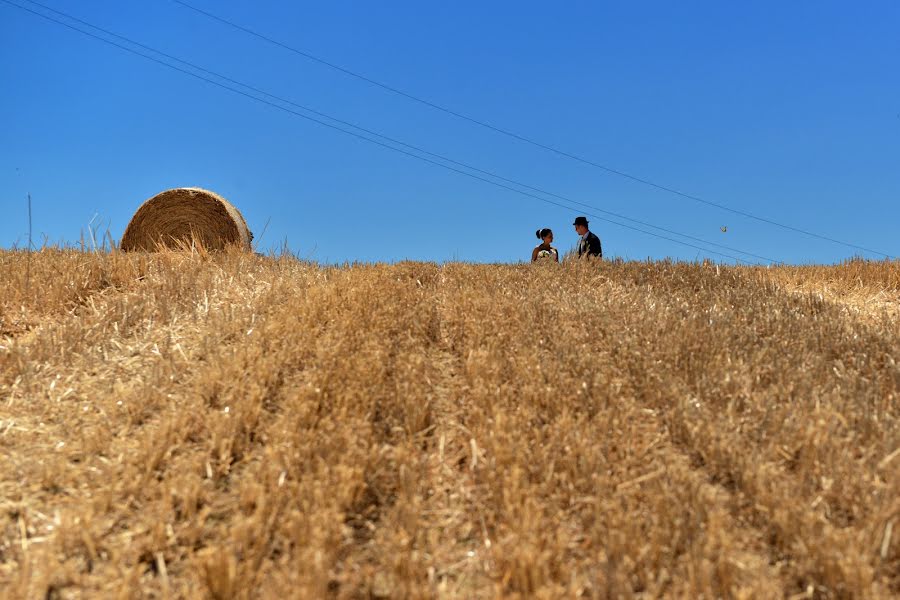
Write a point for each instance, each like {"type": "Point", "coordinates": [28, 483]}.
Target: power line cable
{"type": "Point", "coordinates": [362, 137]}
{"type": "Point", "coordinates": [399, 142]}
{"type": "Point", "coordinates": [523, 138]}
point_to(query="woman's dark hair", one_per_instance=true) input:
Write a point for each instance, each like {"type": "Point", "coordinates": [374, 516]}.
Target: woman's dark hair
{"type": "Point", "coordinates": [542, 233]}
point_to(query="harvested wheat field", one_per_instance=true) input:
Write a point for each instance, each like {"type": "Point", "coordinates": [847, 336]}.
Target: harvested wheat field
{"type": "Point", "coordinates": [184, 425]}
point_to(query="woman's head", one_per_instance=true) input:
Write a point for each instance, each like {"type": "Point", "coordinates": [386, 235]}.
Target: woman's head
{"type": "Point", "coordinates": [545, 235]}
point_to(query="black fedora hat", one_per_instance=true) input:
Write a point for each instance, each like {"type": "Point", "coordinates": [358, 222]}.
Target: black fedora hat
{"type": "Point", "coordinates": [580, 221]}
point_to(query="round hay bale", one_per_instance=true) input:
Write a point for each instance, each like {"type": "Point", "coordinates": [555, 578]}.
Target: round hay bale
{"type": "Point", "coordinates": [177, 217]}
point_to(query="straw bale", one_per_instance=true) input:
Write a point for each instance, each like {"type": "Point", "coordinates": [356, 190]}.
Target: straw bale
{"type": "Point", "coordinates": [182, 215]}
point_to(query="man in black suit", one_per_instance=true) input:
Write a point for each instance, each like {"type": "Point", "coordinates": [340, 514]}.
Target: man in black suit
{"type": "Point", "coordinates": [589, 244]}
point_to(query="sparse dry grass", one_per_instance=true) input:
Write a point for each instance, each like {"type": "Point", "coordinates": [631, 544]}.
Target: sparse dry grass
{"type": "Point", "coordinates": [232, 426]}
{"type": "Point", "coordinates": [869, 288]}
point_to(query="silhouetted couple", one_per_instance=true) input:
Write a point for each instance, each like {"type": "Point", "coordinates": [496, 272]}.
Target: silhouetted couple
{"type": "Point", "coordinates": [588, 243]}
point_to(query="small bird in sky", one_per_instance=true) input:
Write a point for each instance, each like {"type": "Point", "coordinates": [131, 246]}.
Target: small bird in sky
{"type": "Point", "coordinates": [723, 228]}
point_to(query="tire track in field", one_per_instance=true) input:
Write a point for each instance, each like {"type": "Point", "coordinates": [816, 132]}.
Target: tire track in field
{"type": "Point", "coordinates": [456, 536]}
{"type": "Point", "coordinates": [360, 419]}
{"type": "Point", "coordinates": [408, 536]}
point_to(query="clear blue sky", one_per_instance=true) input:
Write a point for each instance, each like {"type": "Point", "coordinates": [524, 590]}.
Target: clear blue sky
{"type": "Point", "coordinates": [789, 110]}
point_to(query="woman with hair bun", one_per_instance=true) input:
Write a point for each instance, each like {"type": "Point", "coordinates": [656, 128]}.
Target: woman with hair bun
{"type": "Point", "coordinates": [544, 252]}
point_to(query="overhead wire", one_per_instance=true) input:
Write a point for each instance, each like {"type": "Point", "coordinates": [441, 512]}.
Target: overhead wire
{"type": "Point", "coordinates": [357, 135]}
{"type": "Point", "coordinates": [524, 138]}
{"type": "Point", "coordinates": [400, 142]}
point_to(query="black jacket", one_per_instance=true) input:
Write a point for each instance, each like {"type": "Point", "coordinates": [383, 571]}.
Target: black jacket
{"type": "Point", "coordinates": [590, 246]}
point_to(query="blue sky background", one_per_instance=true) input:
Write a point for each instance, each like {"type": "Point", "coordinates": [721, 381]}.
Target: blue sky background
{"type": "Point", "coordinates": [787, 110]}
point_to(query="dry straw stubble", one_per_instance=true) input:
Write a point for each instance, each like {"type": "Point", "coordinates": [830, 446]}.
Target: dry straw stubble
{"type": "Point", "coordinates": [183, 216]}
{"type": "Point", "coordinates": [226, 425]}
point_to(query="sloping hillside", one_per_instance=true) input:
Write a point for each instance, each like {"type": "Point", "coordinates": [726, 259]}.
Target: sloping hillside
{"type": "Point", "coordinates": [181, 425]}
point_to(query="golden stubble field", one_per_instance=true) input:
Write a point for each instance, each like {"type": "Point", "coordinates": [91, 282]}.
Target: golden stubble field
{"type": "Point", "coordinates": [191, 426]}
